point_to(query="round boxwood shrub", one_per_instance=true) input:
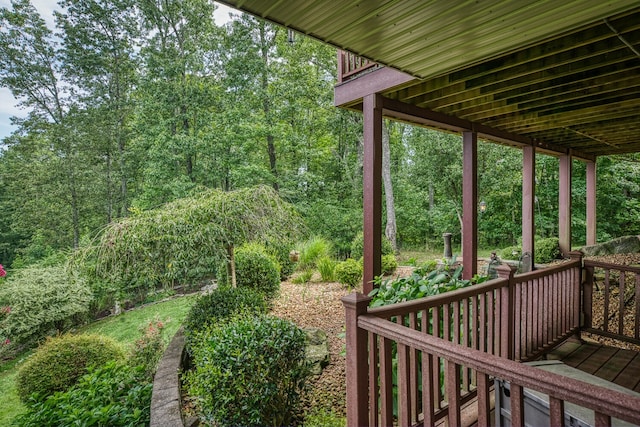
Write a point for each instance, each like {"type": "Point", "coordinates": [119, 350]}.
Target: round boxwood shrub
{"type": "Point", "coordinates": [219, 306]}
{"type": "Point", "coordinates": [357, 246]}
{"type": "Point", "coordinates": [349, 272]}
{"type": "Point", "coordinates": [547, 250]}
{"type": "Point", "coordinates": [389, 264]}
{"type": "Point", "coordinates": [257, 270]}
{"type": "Point", "coordinates": [250, 373]}
{"type": "Point", "coordinates": [60, 362]}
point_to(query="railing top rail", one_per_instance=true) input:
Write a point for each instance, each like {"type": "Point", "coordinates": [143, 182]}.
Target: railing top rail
{"type": "Point", "coordinates": [536, 274]}
{"type": "Point", "coordinates": [608, 265]}
{"type": "Point", "coordinates": [610, 402]}
{"type": "Point", "coordinates": [437, 300]}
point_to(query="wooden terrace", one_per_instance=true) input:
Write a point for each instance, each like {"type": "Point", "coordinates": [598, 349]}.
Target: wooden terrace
{"type": "Point", "coordinates": [558, 78]}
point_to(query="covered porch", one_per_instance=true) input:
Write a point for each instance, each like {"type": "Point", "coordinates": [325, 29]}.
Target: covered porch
{"type": "Point", "coordinates": [553, 78]}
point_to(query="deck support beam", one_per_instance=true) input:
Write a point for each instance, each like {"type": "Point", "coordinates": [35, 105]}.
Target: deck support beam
{"type": "Point", "coordinates": [564, 205]}
{"type": "Point", "coordinates": [469, 204]}
{"type": "Point", "coordinates": [591, 203]}
{"type": "Point", "coordinates": [528, 200]}
{"type": "Point", "coordinates": [372, 189]}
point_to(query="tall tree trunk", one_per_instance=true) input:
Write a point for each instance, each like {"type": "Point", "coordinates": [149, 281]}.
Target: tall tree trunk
{"type": "Point", "coordinates": [266, 104]}
{"type": "Point", "coordinates": [391, 229]}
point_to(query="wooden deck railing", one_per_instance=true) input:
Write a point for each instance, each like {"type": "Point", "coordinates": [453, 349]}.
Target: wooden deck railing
{"type": "Point", "coordinates": [617, 313]}
{"type": "Point", "coordinates": [349, 65]}
{"type": "Point", "coordinates": [422, 357]}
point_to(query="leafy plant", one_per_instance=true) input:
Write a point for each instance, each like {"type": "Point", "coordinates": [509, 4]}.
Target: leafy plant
{"type": "Point", "coordinates": [312, 251]}
{"type": "Point", "coordinates": [349, 272]}
{"type": "Point", "coordinates": [221, 305]}
{"type": "Point", "coordinates": [41, 301]}
{"type": "Point", "coordinates": [148, 349]}
{"type": "Point", "coordinates": [327, 267]}
{"type": "Point", "coordinates": [114, 394]}
{"type": "Point", "coordinates": [250, 373]}
{"type": "Point", "coordinates": [423, 282]}
{"type": "Point", "coordinates": [389, 264]}
{"type": "Point", "coordinates": [60, 362]}
{"type": "Point", "coordinates": [257, 270]}
{"type": "Point", "coordinates": [547, 250]}
{"type": "Point", "coordinates": [304, 277]}
{"type": "Point", "coordinates": [357, 246]}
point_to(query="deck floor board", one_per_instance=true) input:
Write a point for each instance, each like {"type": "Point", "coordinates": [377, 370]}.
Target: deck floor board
{"type": "Point", "coordinates": [619, 366]}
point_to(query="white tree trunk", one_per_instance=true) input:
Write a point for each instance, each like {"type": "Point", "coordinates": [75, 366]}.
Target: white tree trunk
{"type": "Point", "coordinates": [391, 229]}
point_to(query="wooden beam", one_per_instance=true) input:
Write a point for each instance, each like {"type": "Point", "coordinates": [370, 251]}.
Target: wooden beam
{"type": "Point", "coordinates": [591, 203]}
{"type": "Point", "coordinates": [528, 200]}
{"type": "Point", "coordinates": [372, 189]}
{"type": "Point", "coordinates": [469, 204]}
{"type": "Point", "coordinates": [564, 205]}
{"type": "Point", "coordinates": [379, 80]}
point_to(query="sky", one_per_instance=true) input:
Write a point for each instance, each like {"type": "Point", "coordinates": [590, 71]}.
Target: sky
{"type": "Point", "coordinates": [8, 103]}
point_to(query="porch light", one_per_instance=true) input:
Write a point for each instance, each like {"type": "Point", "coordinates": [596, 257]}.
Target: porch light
{"type": "Point", "coordinates": [291, 36]}
{"type": "Point", "coordinates": [483, 206]}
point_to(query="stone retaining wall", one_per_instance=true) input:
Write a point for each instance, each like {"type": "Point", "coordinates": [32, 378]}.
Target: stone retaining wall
{"type": "Point", "coordinates": [165, 398]}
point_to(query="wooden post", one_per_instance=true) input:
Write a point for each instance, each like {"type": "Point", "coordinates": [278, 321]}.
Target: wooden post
{"type": "Point", "coordinates": [591, 203]}
{"type": "Point", "coordinates": [372, 189]}
{"type": "Point", "coordinates": [356, 304]}
{"type": "Point", "coordinates": [564, 205]}
{"type": "Point", "coordinates": [469, 204]}
{"type": "Point", "coordinates": [528, 200]}
{"type": "Point", "coordinates": [507, 306]}
{"type": "Point", "coordinates": [587, 298]}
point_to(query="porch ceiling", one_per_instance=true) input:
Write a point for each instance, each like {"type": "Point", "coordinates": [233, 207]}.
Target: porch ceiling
{"type": "Point", "coordinates": [564, 73]}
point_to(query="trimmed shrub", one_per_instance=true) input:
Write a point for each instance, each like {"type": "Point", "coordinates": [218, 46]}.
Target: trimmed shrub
{"type": "Point", "coordinates": [42, 301]}
{"type": "Point", "coordinates": [148, 349]}
{"type": "Point", "coordinates": [349, 272]}
{"type": "Point", "coordinates": [357, 246]}
{"type": "Point", "coordinates": [389, 264]}
{"type": "Point", "coordinates": [327, 267]}
{"type": "Point", "coordinates": [250, 373]}
{"type": "Point", "coordinates": [221, 305]}
{"type": "Point", "coordinates": [60, 362]}
{"type": "Point", "coordinates": [280, 251]}
{"type": "Point", "coordinates": [547, 250]}
{"type": "Point", "coordinates": [113, 395]}
{"type": "Point", "coordinates": [257, 270]}
{"type": "Point", "coordinates": [312, 251]}
{"type": "Point", "coordinates": [511, 252]}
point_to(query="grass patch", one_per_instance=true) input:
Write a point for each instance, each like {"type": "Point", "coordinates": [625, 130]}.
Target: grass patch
{"type": "Point", "coordinates": [124, 329]}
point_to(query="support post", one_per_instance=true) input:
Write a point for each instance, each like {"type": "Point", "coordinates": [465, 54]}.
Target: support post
{"type": "Point", "coordinates": [591, 203]}
{"type": "Point", "coordinates": [469, 204]}
{"type": "Point", "coordinates": [528, 200]}
{"type": "Point", "coordinates": [355, 305]}
{"type": "Point", "coordinates": [372, 189]}
{"type": "Point", "coordinates": [507, 314]}
{"type": "Point", "coordinates": [564, 205]}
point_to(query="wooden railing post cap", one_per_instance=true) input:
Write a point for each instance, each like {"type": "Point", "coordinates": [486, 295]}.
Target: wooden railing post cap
{"type": "Point", "coordinates": [506, 271]}
{"type": "Point", "coordinates": [576, 255]}
{"type": "Point", "coordinates": [357, 301]}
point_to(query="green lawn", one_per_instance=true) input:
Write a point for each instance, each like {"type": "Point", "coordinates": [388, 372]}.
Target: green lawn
{"type": "Point", "coordinates": [124, 329]}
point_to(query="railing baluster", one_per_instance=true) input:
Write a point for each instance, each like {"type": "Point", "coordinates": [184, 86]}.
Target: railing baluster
{"type": "Point", "coordinates": [517, 405]}
{"type": "Point", "coordinates": [622, 286]}
{"type": "Point", "coordinates": [428, 406]}
{"type": "Point", "coordinates": [374, 389]}
{"type": "Point", "coordinates": [601, 420]}
{"type": "Point", "coordinates": [484, 401]}
{"type": "Point", "coordinates": [437, 394]}
{"type": "Point", "coordinates": [637, 311]}
{"type": "Point", "coordinates": [453, 392]}
{"type": "Point", "coordinates": [605, 311]}
{"type": "Point", "coordinates": [386, 384]}
{"type": "Point", "coordinates": [587, 298]}
{"type": "Point", "coordinates": [413, 369]}
{"type": "Point", "coordinates": [404, 394]}
{"type": "Point", "coordinates": [556, 412]}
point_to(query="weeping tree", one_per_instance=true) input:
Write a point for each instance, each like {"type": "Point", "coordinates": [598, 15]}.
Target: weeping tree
{"type": "Point", "coordinates": [184, 241]}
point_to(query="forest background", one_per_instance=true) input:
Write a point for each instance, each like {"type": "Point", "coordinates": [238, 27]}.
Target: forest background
{"type": "Point", "coordinates": [133, 104]}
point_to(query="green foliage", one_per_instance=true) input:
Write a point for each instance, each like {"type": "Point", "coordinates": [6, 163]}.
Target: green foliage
{"type": "Point", "coordinates": [280, 251]}
{"type": "Point", "coordinates": [60, 362]}
{"type": "Point", "coordinates": [357, 246]}
{"type": "Point", "coordinates": [185, 240]}
{"type": "Point", "coordinates": [313, 250]}
{"type": "Point", "coordinates": [349, 272]}
{"type": "Point", "coordinates": [148, 349]}
{"type": "Point", "coordinates": [257, 270]}
{"type": "Point", "coordinates": [303, 277]}
{"type": "Point", "coordinates": [423, 282]}
{"type": "Point", "coordinates": [112, 395]}
{"type": "Point", "coordinates": [511, 252]}
{"type": "Point", "coordinates": [324, 418]}
{"type": "Point", "coordinates": [250, 373]}
{"type": "Point", "coordinates": [327, 268]}
{"type": "Point", "coordinates": [547, 250]}
{"type": "Point", "coordinates": [389, 264]}
{"type": "Point", "coordinates": [221, 305]}
{"type": "Point", "coordinates": [42, 301]}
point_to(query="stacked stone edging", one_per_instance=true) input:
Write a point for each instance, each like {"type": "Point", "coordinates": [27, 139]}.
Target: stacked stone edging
{"type": "Point", "coordinates": [165, 398]}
